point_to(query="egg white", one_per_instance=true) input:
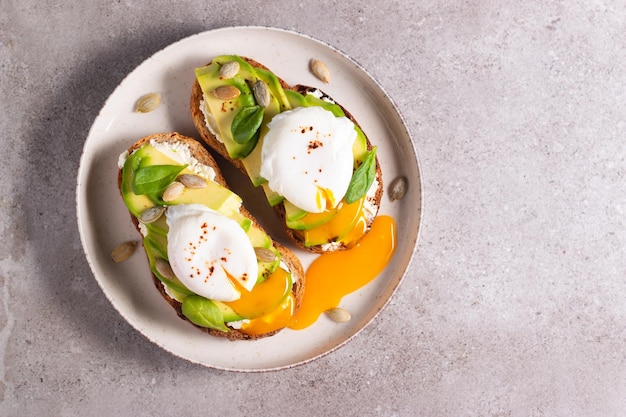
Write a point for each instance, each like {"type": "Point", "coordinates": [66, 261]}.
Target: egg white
{"type": "Point", "coordinates": [306, 157]}
{"type": "Point", "coordinates": [205, 248]}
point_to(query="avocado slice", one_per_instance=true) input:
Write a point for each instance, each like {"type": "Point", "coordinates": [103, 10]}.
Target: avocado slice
{"type": "Point", "coordinates": [299, 219]}
{"type": "Point", "coordinates": [173, 282]}
{"type": "Point", "coordinates": [260, 239]}
{"type": "Point", "coordinates": [228, 313]}
{"type": "Point", "coordinates": [225, 111]}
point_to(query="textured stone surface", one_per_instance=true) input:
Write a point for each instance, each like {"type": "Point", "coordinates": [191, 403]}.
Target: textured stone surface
{"type": "Point", "coordinates": [514, 304]}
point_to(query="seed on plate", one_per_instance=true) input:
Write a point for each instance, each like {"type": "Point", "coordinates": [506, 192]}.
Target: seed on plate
{"type": "Point", "coordinates": [226, 92]}
{"type": "Point", "coordinates": [338, 314]}
{"type": "Point", "coordinates": [320, 70]}
{"type": "Point", "coordinates": [261, 93]}
{"type": "Point", "coordinates": [148, 103]}
{"type": "Point", "coordinates": [173, 191]}
{"type": "Point", "coordinates": [123, 251]}
{"type": "Point", "coordinates": [163, 267]}
{"type": "Point", "coordinates": [192, 181]}
{"type": "Point", "coordinates": [152, 214]}
{"type": "Point", "coordinates": [397, 189]}
{"type": "Point", "coordinates": [229, 70]}
{"type": "Point", "coordinates": [265, 254]}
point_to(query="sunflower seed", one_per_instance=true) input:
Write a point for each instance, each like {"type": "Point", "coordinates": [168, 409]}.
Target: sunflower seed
{"type": "Point", "coordinates": [229, 70]}
{"type": "Point", "coordinates": [148, 103]}
{"type": "Point", "coordinates": [320, 70]}
{"type": "Point", "coordinates": [226, 92]}
{"type": "Point", "coordinates": [338, 314]}
{"type": "Point", "coordinates": [152, 214]}
{"type": "Point", "coordinates": [123, 251]}
{"type": "Point", "coordinates": [163, 267]}
{"type": "Point", "coordinates": [261, 93]}
{"type": "Point", "coordinates": [397, 189]}
{"type": "Point", "coordinates": [173, 191]}
{"type": "Point", "coordinates": [264, 254]}
{"type": "Point", "coordinates": [192, 181]}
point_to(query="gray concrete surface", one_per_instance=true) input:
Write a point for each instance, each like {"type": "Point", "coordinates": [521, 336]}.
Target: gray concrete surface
{"type": "Point", "coordinates": [515, 302]}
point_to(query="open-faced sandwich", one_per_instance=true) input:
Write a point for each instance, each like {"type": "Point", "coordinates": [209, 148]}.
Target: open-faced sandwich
{"type": "Point", "coordinates": [209, 257]}
{"type": "Point", "coordinates": [318, 169]}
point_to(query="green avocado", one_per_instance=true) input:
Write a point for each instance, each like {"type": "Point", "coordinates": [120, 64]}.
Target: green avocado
{"type": "Point", "coordinates": [228, 313]}
{"type": "Point", "coordinates": [225, 111]}
{"type": "Point", "coordinates": [260, 239]}
{"type": "Point", "coordinates": [280, 100]}
{"type": "Point", "coordinates": [213, 196]}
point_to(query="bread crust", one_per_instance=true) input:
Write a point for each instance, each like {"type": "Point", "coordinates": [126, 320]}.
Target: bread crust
{"type": "Point", "coordinates": [289, 258]}
{"type": "Point", "coordinates": [210, 139]}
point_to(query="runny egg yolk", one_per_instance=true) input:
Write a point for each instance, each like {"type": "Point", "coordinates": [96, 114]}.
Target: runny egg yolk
{"type": "Point", "coordinates": [333, 275]}
{"type": "Point", "coordinates": [277, 319]}
{"type": "Point", "coordinates": [265, 296]}
{"type": "Point", "coordinates": [347, 225]}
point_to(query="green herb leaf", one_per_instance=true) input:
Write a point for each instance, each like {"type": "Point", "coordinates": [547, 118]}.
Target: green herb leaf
{"type": "Point", "coordinates": [203, 312]}
{"type": "Point", "coordinates": [246, 123]}
{"type": "Point", "coordinates": [154, 178]}
{"type": "Point", "coordinates": [362, 178]}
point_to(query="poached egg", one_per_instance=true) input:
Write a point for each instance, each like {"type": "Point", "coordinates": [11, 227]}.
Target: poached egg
{"type": "Point", "coordinates": [306, 157]}
{"type": "Point", "coordinates": [207, 250]}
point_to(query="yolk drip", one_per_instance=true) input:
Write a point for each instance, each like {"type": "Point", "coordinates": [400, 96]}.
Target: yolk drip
{"type": "Point", "coordinates": [275, 320]}
{"type": "Point", "coordinates": [265, 297]}
{"type": "Point", "coordinates": [342, 224]}
{"type": "Point", "coordinates": [333, 275]}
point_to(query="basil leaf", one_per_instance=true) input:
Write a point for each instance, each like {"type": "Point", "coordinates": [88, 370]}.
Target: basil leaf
{"type": "Point", "coordinates": [203, 312]}
{"type": "Point", "coordinates": [154, 178]}
{"type": "Point", "coordinates": [362, 178]}
{"type": "Point", "coordinates": [246, 123]}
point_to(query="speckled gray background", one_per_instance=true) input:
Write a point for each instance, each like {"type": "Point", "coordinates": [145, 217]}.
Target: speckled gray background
{"type": "Point", "coordinates": [515, 302]}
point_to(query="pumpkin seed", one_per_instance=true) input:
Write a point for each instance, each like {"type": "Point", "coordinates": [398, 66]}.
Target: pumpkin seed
{"type": "Point", "coordinates": [261, 93]}
{"type": "Point", "coordinates": [320, 70]}
{"type": "Point", "coordinates": [226, 92]}
{"type": "Point", "coordinates": [148, 103]}
{"type": "Point", "coordinates": [163, 267]}
{"type": "Point", "coordinates": [338, 314]}
{"type": "Point", "coordinates": [123, 251]}
{"type": "Point", "coordinates": [152, 214]}
{"type": "Point", "coordinates": [229, 70]}
{"type": "Point", "coordinates": [173, 191]}
{"type": "Point", "coordinates": [192, 181]}
{"type": "Point", "coordinates": [397, 188]}
{"type": "Point", "coordinates": [265, 254]}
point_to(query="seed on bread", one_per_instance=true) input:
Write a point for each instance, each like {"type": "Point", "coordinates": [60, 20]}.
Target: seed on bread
{"type": "Point", "coordinates": [229, 70]}
{"type": "Point", "coordinates": [192, 181]}
{"type": "Point", "coordinates": [261, 93]}
{"type": "Point", "coordinates": [320, 70]}
{"type": "Point", "coordinates": [152, 214]}
{"type": "Point", "coordinates": [226, 92]}
{"type": "Point", "coordinates": [148, 103]}
{"type": "Point", "coordinates": [338, 315]}
{"type": "Point", "coordinates": [123, 251]}
{"type": "Point", "coordinates": [163, 267]}
{"type": "Point", "coordinates": [264, 254]}
{"type": "Point", "coordinates": [173, 191]}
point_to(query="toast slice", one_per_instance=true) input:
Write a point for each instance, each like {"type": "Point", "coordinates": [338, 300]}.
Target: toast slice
{"type": "Point", "coordinates": [374, 194]}
{"type": "Point", "coordinates": [288, 260]}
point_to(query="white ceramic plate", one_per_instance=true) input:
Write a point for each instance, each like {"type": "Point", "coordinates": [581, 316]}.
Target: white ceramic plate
{"type": "Point", "coordinates": [104, 221]}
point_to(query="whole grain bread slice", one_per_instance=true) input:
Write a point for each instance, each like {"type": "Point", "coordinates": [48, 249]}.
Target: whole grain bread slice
{"type": "Point", "coordinates": [287, 256]}
{"type": "Point", "coordinates": [374, 198]}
